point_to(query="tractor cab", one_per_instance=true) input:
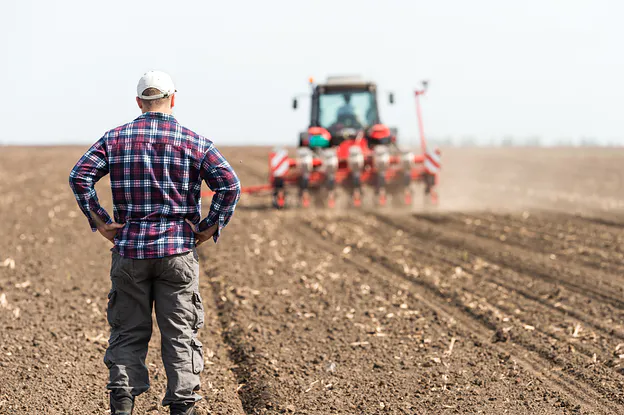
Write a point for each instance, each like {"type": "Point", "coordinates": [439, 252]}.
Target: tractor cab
{"type": "Point", "coordinates": [343, 108]}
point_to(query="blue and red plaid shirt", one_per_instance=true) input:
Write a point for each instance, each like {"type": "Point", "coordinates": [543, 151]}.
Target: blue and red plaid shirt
{"type": "Point", "coordinates": [156, 169]}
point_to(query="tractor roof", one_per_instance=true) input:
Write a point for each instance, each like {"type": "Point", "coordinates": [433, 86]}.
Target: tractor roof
{"type": "Point", "coordinates": [346, 81]}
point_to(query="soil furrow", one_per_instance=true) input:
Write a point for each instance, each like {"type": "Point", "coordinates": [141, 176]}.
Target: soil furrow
{"type": "Point", "coordinates": [601, 345]}
{"type": "Point", "coordinates": [486, 330]}
{"type": "Point", "coordinates": [459, 295]}
{"type": "Point", "coordinates": [550, 305]}
{"type": "Point", "coordinates": [511, 281]}
{"type": "Point", "coordinates": [602, 221]}
{"type": "Point", "coordinates": [597, 253]}
{"type": "Point", "coordinates": [555, 225]}
{"type": "Point", "coordinates": [519, 260]}
{"type": "Point", "coordinates": [255, 392]}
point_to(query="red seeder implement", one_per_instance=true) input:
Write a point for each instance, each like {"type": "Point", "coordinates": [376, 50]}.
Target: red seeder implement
{"type": "Point", "coordinates": [347, 147]}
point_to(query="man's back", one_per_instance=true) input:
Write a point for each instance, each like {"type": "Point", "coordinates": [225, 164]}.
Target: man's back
{"type": "Point", "coordinates": [156, 168]}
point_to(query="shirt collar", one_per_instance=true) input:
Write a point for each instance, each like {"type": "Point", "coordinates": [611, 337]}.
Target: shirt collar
{"type": "Point", "coordinates": [158, 116]}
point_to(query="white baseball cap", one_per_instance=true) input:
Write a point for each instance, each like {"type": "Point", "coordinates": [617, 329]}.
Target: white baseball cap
{"type": "Point", "coordinates": [155, 79]}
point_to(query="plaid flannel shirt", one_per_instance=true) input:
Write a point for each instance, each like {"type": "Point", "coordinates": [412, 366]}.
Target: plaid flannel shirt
{"type": "Point", "coordinates": [156, 169]}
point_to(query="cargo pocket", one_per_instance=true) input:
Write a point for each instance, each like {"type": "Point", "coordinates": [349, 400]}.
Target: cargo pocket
{"type": "Point", "coordinates": [197, 358]}
{"type": "Point", "coordinates": [199, 311]}
{"type": "Point", "coordinates": [180, 269]}
{"type": "Point", "coordinates": [111, 310]}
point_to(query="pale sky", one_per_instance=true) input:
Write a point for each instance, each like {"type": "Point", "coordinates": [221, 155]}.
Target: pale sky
{"type": "Point", "coordinates": [551, 68]}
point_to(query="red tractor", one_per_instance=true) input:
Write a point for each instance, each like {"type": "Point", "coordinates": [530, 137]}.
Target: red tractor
{"type": "Point", "coordinates": [346, 146]}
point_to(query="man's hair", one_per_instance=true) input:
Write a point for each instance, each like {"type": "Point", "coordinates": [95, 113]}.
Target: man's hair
{"type": "Point", "coordinates": [154, 103]}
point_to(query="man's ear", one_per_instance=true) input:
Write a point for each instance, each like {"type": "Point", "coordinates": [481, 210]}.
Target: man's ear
{"type": "Point", "coordinates": [139, 102]}
{"type": "Point", "coordinates": [172, 100]}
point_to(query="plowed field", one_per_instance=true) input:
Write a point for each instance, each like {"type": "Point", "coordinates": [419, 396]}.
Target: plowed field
{"type": "Point", "coordinates": [507, 299]}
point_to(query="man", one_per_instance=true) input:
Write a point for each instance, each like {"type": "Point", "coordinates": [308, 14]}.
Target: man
{"type": "Point", "coordinates": [346, 116]}
{"type": "Point", "coordinates": [156, 169]}
{"type": "Point", "coordinates": [346, 109]}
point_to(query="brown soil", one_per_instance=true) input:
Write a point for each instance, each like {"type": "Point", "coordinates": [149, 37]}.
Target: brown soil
{"type": "Point", "coordinates": [507, 299]}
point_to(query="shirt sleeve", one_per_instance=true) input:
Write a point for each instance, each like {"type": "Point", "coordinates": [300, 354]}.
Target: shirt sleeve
{"type": "Point", "coordinates": [221, 179]}
{"type": "Point", "coordinates": [91, 167]}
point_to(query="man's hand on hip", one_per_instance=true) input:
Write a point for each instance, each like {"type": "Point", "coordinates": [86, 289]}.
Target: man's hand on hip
{"type": "Point", "coordinates": [107, 230]}
{"type": "Point", "coordinates": [201, 237]}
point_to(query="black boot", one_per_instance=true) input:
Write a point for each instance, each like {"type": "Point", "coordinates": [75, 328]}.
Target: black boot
{"type": "Point", "coordinates": [182, 409]}
{"type": "Point", "coordinates": [121, 405]}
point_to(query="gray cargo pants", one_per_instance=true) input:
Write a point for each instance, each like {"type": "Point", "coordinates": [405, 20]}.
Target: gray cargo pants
{"type": "Point", "coordinates": [171, 285]}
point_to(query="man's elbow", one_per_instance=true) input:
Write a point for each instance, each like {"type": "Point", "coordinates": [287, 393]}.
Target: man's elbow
{"type": "Point", "coordinates": [237, 188]}
{"type": "Point", "coordinates": [232, 192]}
{"type": "Point", "coordinates": [72, 180]}
{"type": "Point", "coordinates": [77, 181]}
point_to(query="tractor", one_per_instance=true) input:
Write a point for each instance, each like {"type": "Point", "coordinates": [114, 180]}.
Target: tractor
{"type": "Point", "coordinates": [347, 148]}
{"type": "Point", "coordinates": [346, 145]}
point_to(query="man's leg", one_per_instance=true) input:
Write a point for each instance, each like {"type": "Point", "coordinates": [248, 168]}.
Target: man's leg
{"type": "Point", "coordinates": [130, 317]}
{"type": "Point", "coordinates": [180, 314]}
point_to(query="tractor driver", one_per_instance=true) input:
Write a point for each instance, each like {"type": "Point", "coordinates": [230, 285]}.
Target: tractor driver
{"type": "Point", "coordinates": [347, 113]}
{"type": "Point", "coordinates": [347, 109]}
